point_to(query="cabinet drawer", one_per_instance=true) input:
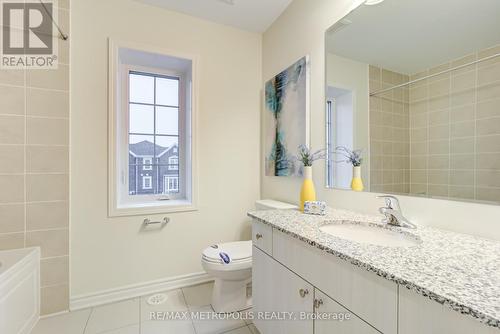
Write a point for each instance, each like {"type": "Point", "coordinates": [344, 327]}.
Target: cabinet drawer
{"type": "Point", "coordinates": [372, 298]}
{"type": "Point", "coordinates": [262, 236]}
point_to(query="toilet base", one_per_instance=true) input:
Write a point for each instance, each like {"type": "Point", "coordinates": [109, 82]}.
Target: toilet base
{"type": "Point", "coordinates": [230, 296]}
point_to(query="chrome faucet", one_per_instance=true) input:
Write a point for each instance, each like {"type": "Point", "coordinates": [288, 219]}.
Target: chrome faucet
{"type": "Point", "coordinates": [393, 214]}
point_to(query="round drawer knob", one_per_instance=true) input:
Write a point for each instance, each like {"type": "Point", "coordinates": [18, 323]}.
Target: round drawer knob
{"type": "Point", "coordinates": [303, 292]}
{"type": "Point", "coordinates": [318, 303]}
{"type": "Point", "coordinates": [258, 236]}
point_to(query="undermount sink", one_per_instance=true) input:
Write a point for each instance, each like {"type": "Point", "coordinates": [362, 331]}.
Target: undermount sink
{"type": "Point", "coordinates": [368, 233]}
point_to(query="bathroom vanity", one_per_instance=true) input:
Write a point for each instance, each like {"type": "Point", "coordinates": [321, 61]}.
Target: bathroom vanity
{"type": "Point", "coordinates": [311, 275]}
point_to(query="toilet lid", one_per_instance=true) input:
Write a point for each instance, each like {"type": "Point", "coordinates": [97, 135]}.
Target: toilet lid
{"type": "Point", "coordinates": [237, 251]}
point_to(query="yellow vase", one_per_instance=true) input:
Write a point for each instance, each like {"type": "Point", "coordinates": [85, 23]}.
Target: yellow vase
{"type": "Point", "coordinates": [307, 192]}
{"type": "Point", "coordinates": [357, 182]}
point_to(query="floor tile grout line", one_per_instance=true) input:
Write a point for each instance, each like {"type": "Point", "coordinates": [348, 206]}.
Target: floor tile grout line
{"type": "Point", "coordinates": [189, 309]}
{"type": "Point", "coordinates": [115, 329]}
{"type": "Point", "coordinates": [233, 329]}
{"type": "Point", "coordinates": [88, 319]}
{"type": "Point", "coordinates": [85, 328]}
{"type": "Point", "coordinates": [140, 314]}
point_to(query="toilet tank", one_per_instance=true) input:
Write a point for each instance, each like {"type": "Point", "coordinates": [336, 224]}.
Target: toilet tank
{"type": "Point", "coordinates": [269, 204]}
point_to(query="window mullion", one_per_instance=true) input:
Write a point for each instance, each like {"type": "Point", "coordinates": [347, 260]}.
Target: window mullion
{"type": "Point", "coordinates": [154, 129]}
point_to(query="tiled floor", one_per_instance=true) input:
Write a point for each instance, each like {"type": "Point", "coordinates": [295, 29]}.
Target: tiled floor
{"type": "Point", "coordinates": [134, 317]}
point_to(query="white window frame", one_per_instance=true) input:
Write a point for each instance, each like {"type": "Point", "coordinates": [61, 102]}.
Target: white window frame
{"type": "Point", "coordinates": [120, 202]}
{"type": "Point", "coordinates": [148, 165]}
{"type": "Point", "coordinates": [166, 179]}
{"type": "Point", "coordinates": [171, 163]}
{"type": "Point", "coordinates": [144, 178]}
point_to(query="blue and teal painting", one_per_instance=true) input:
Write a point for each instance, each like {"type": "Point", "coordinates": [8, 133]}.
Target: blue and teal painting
{"type": "Point", "coordinates": [286, 104]}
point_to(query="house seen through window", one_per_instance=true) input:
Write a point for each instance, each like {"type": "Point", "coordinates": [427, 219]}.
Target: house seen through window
{"type": "Point", "coordinates": [153, 134]}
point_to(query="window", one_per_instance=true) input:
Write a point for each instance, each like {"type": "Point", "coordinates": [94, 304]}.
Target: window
{"type": "Point", "coordinates": [339, 132]}
{"type": "Point", "coordinates": [171, 184]}
{"type": "Point", "coordinates": [173, 163]}
{"type": "Point", "coordinates": [147, 163]}
{"type": "Point", "coordinates": [146, 182]}
{"type": "Point", "coordinates": [151, 138]}
{"type": "Point", "coordinates": [154, 106]}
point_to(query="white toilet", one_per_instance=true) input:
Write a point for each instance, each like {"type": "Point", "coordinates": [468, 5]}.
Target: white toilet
{"type": "Point", "coordinates": [231, 265]}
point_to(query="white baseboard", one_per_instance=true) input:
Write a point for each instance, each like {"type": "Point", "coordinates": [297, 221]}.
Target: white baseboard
{"type": "Point", "coordinates": [50, 315]}
{"type": "Point", "coordinates": [136, 290]}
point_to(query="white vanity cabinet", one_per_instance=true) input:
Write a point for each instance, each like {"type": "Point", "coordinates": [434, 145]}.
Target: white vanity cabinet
{"type": "Point", "coordinates": [279, 293]}
{"type": "Point", "coordinates": [368, 296]}
{"type": "Point", "coordinates": [291, 276]}
{"type": "Point", "coordinates": [328, 325]}
{"type": "Point", "coordinates": [287, 278]}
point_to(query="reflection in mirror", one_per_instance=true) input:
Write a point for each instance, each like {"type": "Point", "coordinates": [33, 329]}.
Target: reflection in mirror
{"type": "Point", "coordinates": [418, 91]}
{"type": "Point", "coordinates": [340, 132]}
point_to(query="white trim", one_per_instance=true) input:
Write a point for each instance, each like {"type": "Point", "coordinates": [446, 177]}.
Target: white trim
{"type": "Point", "coordinates": [149, 165]}
{"type": "Point", "coordinates": [114, 177]}
{"type": "Point", "coordinates": [136, 290]}
{"type": "Point", "coordinates": [167, 149]}
{"type": "Point", "coordinates": [51, 315]}
{"type": "Point", "coordinates": [176, 158]}
{"type": "Point", "coordinates": [144, 178]}
{"type": "Point", "coordinates": [166, 183]}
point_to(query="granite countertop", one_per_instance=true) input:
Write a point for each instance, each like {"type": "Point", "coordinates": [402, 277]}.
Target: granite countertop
{"type": "Point", "coordinates": [457, 270]}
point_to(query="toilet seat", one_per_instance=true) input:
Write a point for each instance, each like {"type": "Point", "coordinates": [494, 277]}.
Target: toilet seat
{"type": "Point", "coordinates": [239, 252]}
{"type": "Point", "coordinates": [230, 292]}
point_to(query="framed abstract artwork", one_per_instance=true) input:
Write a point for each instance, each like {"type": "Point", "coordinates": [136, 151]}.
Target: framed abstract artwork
{"type": "Point", "coordinates": [286, 119]}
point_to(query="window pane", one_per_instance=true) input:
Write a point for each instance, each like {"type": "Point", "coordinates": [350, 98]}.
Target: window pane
{"type": "Point", "coordinates": [167, 141]}
{"type": "Point", "coordinates": [167, 121]}
{"type": "Point", "coordinates": [141, 88]}
{"type": "Point", "coordinates": [153, 136]}
{"type": "Point", "coordinates": [141, 148]}
{"type": "Point", "coordinates": [134, 139]}
{"type": "Point", "coordinates": [141, 119]}
{"type": "Point", "coordinates": [167, 92]}
{"type": "Point", "coordinates": [170, 181]}
{"type": "Point", "coordinates": [142, 176]}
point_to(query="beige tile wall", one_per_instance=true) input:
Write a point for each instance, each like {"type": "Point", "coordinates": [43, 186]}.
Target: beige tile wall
{"type": "Point", "coordinates": [455, 130]}
{"type": "Point", "coordinates": [389, 133]}
{"type": "Point", "coordinates": [34, 168]}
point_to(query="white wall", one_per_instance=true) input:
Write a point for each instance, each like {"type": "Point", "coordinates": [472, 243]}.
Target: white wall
{"type": "Point", "coordinates": [344, 132]}
{"type": "Point", "coordinates": [299, 31]}
{"type": "Point", "coordinates": [109, 253]}
{"type": "Point", "coordinates": [353, 76]}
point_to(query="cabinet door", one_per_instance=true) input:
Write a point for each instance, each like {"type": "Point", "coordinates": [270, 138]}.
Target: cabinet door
{"type": "Point", "coordinates": [280, 298]}
{"type": "Point", "coordinates": [372, 298]}
{"type": "Point", "coordinates": [331, 317]}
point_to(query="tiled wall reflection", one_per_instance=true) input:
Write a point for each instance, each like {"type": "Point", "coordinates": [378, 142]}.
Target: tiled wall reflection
{"type": "Point", "coordinates": [34, 168]}
{"type": "Point", "coordinates": [389, 132]}
{"type": "Point", "coordinates": [440, 136]}
{"type": "Point", "coordinates": [455, 130]}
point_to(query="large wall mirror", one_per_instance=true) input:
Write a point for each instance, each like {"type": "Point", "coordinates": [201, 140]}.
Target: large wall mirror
{"type": "Point", "coordinates": [415, 86]}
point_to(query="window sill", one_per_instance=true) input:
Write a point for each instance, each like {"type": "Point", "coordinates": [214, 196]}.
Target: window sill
{"type": "Point", "coordinates": [149, 208]}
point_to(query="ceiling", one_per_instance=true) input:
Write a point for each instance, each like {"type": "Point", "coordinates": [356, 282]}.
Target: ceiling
{"type": "Point", "coordinates": [251, 15]}
{"type": "Point", "coordinates": [408, 36]}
